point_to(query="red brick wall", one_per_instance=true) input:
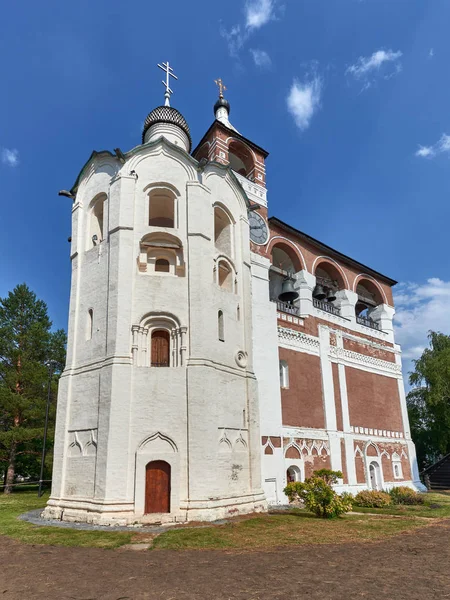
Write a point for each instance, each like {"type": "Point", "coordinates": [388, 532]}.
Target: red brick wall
{"type": "Point", "coordinates": [373, 400]}
{"type": "Point", "coordinates": [314, 463]}
{"type": "Point", "coordinates": [302, 404]}
{"type": "Point", "coordinates": [362, 348]}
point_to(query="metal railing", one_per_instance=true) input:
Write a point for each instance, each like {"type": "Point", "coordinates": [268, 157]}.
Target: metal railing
{"type": "Point", "coordinates": [326, 306]}
{"type": "Point", "coordinates": [368, 322]}
{"type": "Point", "coordinates": [286, 307]}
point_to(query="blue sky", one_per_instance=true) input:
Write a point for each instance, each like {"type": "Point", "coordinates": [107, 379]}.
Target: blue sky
{"type": "Point", "coordinates": [350, 97]}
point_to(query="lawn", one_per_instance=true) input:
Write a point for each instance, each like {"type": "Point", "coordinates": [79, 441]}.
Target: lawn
{"type": "Point", "coordinates": [296, 527]}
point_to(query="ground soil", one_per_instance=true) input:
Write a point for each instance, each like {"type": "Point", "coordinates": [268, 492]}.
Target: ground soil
{"type": "Point", "coordinates": [406, 567]}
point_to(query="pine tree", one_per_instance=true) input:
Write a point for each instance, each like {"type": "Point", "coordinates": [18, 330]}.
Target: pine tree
{"type": "Point", "coordinates": [27, 344]}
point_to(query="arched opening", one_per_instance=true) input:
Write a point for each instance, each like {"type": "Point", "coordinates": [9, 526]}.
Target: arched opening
{"type": "Point", "coordinates": [285, 263]}
{"type": "Point", "coordinates": [223, 232]}
{"type": "Point", "coordinates": [284, 374]}
{"type": "Point", "coordinates": [162, 265]}
{"type": "Point", "coordinates": [160, 348]}
{"type": "Point", "coordinates": [241, 158]}
{"type": "Point", "coordinates": [225, 276]}
{"type": "Point", "coordinates": [161, 208]}
{"type": "Point", "coordinates": [161, 252]}
{"type": "Point", "coordinates": [375, 476]}
{"type": "Point", "coordinates": [329, 281]}
{"type": "Point", "coordinates": [293, 474]}
{"type": "Point", "coordinates": [397, 466]}
{"type": "Point", "coordinates": [369, 297]}
{"type": "Point", "coordinates": [157, 487]}
{"type": "Point", "coordinates": [220, 326]}
{"type": "Point", "coordinates": [96, 214]}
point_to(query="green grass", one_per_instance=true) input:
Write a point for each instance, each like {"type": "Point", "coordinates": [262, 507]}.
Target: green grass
{"type": "Point", "coordinates": [20, 502]}
{"type": "Point", "coordinates": [428, 509]}
{"type": "Point", "coordinates": [295, 527]}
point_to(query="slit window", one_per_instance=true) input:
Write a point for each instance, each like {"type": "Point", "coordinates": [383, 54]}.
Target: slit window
{"type": "Point", "coordinates": [90, 324]}
{"type": "Point", "coordinates": [220, 325]}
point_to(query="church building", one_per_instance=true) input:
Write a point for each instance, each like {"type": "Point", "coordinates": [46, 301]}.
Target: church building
{"type": "Point", "coordinates": [214, 354]}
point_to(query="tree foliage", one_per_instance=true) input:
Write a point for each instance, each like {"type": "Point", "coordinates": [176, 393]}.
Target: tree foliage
{"type": "Point", "coordinates": [27, 348]}
{"type": "Point", "coordinates": [429, 400]}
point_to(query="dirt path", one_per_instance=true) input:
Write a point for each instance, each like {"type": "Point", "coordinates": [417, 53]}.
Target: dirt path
{"type": "Point", "coordinates": [407, 567]}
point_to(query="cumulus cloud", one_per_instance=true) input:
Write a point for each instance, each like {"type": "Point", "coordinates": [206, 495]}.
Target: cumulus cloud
{"type": "Point", "coordinates": [10, 157]}
{"type": "Point", "coordinates": [256, 14]}
{"type": "Point", "coordinates": [442, 146]}
{"type": "Point", "coordinates": [419, 309]}
{"type": "Point", "coordinates": [382, 63]}
{"type": "Point", "coordinates": [303, 100]}
{"type": "Point", "coordinates": [261, 58]}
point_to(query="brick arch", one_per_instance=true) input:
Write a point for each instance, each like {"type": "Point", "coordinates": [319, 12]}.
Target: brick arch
{"type": "Point", "coordinates": [290, 249]}
{"type": "Point", "coordinates": [372, 286]}
{"type": "Point", "coordinates": [372, 450]}
{"type": "Point", "coordinates": [333, 269]}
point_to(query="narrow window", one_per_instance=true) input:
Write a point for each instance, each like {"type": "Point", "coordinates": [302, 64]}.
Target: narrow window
{"type": "Point", "coordinates": [238, 313]}
{"type": "Point", "coordinates": [96, 222]}
{"type": "Point", "coordinates": [90, 324]}
{"type": "Point", "coordinates": [162, 265]}
{"type": "Point", "coordinates": [220, 326]}
{"type": "Point", "coordinates": [160, 350]}
{"type": "Point", "coordinates": [222, 232]}
{"type": "Point", "coordinates": [284, 374]}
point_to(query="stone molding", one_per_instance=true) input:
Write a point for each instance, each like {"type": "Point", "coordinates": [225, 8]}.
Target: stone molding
{"type": "Point", "coordinates": [296, 340]}
{"type": "Point", "coordinates": [355, 359]}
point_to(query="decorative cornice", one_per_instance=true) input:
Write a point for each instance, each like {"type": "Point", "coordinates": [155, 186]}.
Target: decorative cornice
{"type": "Point", "coordinates": [289, 338]}
{"type": "Point", "coordinates": [355, 359]}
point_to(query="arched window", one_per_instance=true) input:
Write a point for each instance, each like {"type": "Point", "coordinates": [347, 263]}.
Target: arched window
{"type": "Point", "coordinates": [223, 232]}
{"type": "Point", "coordinates": [369, 297]}
{"type": "Point", "coordinates": [225, 276]}
{"type": "Point", "coordinates": [90, 324]}
{"type": "Point", "coordinates": [284, 374]}
{"type": "Point", "coordinates": [162, 265]}
{"type": "Point", "coordinates": [220, 326]}
{"type": "Point", "coordinates": [397, 466]}
{"type": "Point", "coordinates": [160, 349]}
{"type": "Point", "coordinates": [161, 208]}
{"type": "Point", "coordinates": [96, 213]}
{"type": "Point", "coordinates": [293, 474]}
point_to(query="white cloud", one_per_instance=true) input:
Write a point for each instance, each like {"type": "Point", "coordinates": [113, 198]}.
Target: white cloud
{"type": "Point", "coordinates": [419, 309]}
{"type": "Point", "coordinates": [261, 58]}
{"type": "Point", "coordinates": [304, 100]}
{"type": "Point", "coordinates": [385, 63]}
{"type": "Point", "coordinates": [10, 157]}
{"type": "Point", "coordinates": [442, 146]}
{"type": "Point", "coordinates": [258, 13]}
{"type": "Point", "coordinates": [431, 53]}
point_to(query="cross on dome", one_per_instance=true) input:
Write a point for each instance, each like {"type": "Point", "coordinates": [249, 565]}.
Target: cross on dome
{"type": "Point", "coordinates": [221, 86]}
{"type": "Point", "coordinates": [169, 73]}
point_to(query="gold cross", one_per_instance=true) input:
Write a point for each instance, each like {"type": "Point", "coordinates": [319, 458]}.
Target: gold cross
{"type": "Point", "coordinates": [221, 87]}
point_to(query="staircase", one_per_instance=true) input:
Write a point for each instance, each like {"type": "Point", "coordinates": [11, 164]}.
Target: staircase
{"type": "Point", "coordinates": [437, 477]}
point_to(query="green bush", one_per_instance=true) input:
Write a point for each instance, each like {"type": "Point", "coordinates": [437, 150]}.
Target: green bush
{"type": "Point", "coordinates": [372, 499]}
{"type": "Point", "coordinates": [328, 475]}
{"type": "Point", "coordinates": [405, 495]}
{"type": "Point", "coordinates": [318, 497]}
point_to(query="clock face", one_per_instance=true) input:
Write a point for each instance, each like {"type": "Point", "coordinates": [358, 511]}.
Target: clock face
{"type": "Point", "coordinates": [259, 231]}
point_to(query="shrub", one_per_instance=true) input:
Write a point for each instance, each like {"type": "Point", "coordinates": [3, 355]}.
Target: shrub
{"type": "Point", "coordinates": [328, 475]}
{"type": "Point", "coordinates": [405, 495]}
{"type": "Point", "coordinates": [372, 499]}
{"type": "Point", "coordinates": [318, 497]}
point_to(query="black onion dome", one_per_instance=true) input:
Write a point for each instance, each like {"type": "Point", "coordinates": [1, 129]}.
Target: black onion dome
{"type": "Point", "coordinates": [222, 102]}
{"type": "Point", "coordinates": [167, 114]}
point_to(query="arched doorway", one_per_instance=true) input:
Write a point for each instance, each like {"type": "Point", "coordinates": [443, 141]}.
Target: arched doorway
{"type": "Point", "coordinates": [375, 476]}
{"type": "Point", "coordinates": [157, 487]}
{"type": "Point", "coordinates": [293, 474]}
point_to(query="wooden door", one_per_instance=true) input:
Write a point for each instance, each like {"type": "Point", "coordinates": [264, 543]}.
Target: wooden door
{"type": "Point", "coordinates": [160, 351]}
{"type": "Point", "coordinates": [157, 487]}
